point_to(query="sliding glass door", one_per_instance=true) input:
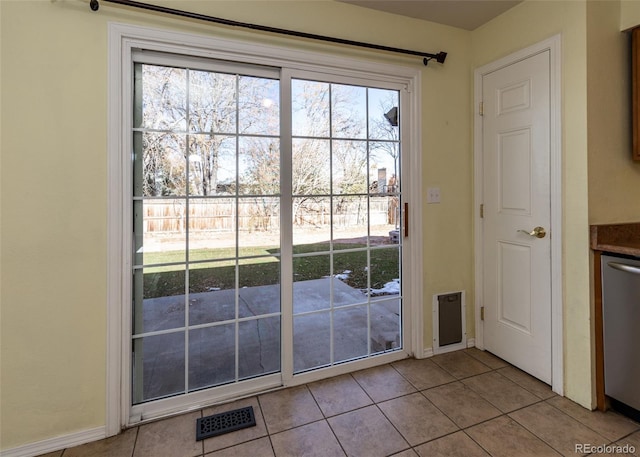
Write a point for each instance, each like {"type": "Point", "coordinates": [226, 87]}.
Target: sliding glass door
{"type": "Point", "coordinates": [267, 220]}
{"type": "Point", "coordinates": [206, 214]}
{"type": "Point", "coordinates": [346, 220]}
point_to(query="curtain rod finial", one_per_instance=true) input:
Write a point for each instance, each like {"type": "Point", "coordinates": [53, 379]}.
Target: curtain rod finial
{"type": "Point", "coordinates": [440, 58]}
{"type": "Point", "coordinates": [94, 5]}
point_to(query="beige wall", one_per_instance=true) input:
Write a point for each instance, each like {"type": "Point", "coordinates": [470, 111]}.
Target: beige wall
{"type": "Point", "coordinates": [53, 174]}
{"type": "Point", "coordinates": [53, 222]}
{"type": "Point", "coordinates": [613, 175]}
{"type": "Point", "coordinates": [629, 14]}
{"type": "Point", "coordinates": [522, 26]}
{"type": "Point", "coordinates": [53, 185]}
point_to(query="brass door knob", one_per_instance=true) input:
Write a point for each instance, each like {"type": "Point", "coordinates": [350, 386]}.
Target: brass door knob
{"type": "Point", "coordinates": [538, 232]}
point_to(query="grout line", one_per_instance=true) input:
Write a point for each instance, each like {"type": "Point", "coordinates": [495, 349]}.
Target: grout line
{"type": "Point", "coordinates": [135, 441]}
{"type": "Point", "coordinates": [479, 445]}
{"type": "Point", "coordinates": [394, 425]}
{"type": "Point", "coordinates": [373, 402]}
{"type": "Point", "coordinates": [591, 428]}
{"type": "Point", "coordinates": [324, 419]}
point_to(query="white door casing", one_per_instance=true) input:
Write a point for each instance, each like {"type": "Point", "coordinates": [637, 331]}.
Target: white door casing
{"type": "Point", "coordinates": [517, 171]}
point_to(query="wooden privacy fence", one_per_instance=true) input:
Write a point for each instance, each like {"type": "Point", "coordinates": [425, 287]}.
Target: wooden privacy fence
{"type": "Point", "coordinates": [262, 213]}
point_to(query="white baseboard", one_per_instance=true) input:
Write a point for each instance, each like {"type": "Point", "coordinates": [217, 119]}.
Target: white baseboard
{"type": "Point", "coordinates": [56, 444]}
{"type": "Point", "coordinates": [427, 352]}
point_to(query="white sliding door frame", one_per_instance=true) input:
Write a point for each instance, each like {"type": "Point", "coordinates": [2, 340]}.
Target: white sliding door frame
{"type": "Point", "coordinates": [123, 40]}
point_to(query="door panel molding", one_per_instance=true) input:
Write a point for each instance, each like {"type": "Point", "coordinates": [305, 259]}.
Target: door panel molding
{"type": "Point", "coordinates": [554, 46]}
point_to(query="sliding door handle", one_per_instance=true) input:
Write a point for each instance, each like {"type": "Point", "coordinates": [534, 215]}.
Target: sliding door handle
{"type": "Point", "coordinates": [406, 220]}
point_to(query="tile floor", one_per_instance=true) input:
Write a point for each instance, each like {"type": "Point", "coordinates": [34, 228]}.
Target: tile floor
{"type": "Point", "coordinates": [466, 403]}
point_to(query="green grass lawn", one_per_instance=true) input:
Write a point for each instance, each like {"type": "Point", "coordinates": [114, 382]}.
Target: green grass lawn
{"type": "Point", "coordinates": [169, 280]}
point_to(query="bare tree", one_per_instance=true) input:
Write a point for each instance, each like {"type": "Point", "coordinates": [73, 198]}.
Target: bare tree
{"type": "Point", "coordinates": [212, 109]}
{"type": "Point", "coordinates": [388, 137]}
{"type": "Point", "coordinates": [209, 133]}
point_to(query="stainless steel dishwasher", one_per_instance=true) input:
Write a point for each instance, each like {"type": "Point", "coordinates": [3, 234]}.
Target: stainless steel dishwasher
{"type": "Point", "coordinates": [621, 312]}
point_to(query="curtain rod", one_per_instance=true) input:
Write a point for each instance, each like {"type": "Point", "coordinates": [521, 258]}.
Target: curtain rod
{"type": "Point", "coordinates": [439, 57]}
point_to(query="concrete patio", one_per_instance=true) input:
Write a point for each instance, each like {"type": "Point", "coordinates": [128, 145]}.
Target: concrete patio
{"type": "Point", "coordinates": [160, 359]}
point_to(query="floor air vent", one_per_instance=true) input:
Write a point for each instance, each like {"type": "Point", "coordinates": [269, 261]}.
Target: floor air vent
{"type": "Point", "coordinates": [219, 424]}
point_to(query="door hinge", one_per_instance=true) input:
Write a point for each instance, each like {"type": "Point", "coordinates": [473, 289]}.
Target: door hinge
{"type": "Point", "coordinates": [482, 313]}
{"type": "Point", "coordinates": [481, 210]}
{"type": "Point", "coordinates": [481, 109]}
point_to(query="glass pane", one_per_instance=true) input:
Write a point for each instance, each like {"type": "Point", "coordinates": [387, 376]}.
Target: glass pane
{"type": "Point", "coordinates": [382, 115]}
{"type": "Point", "coordinates": [212, 356]}
{"type": "Point", "coordinates": [212, 165]}
{"type": "Point", "coordinates": [259, 347]}
{"type": "Point", "coordinates": [312, 283]}
{"type": "Point", "coordinates": [311, 337]}
{"type": "Point", "coordinates": [385, 215]}
{"type": "Point", "coordinates": [219, 138]}
{"type": "Point", "coordinates": [350, 278]}
{"type": "Point", "coordinates": [350, 333]}
{"type": "Point", "coordinates": [158, 366]}
{"type": "Point", "coordinates": [311, 223]}
{"type": "Point", "coordinates": [259, 166]}
{"type": "Point", "coordinates": [259, 106]}
{"type": "Point", "coordinates": [350, 222]}
{"type": "Point", "coordinates": [258, 226]}
{"type": "Point", "coordinates": [212, 234]}
{"type": "Point", "coordinates": [158, 299]}
{"type": "Point", "coordinates": [159, 164]}
{"type": "Point", "coordinates": [385, 325]}
{"type": "Point", "coordinates": [384, 162]}
{"type": "Point", "coordinates": [349, 167]}
{"type": "Point", "coordinates": [212, 102]}
{"type": "Point", "coordinates": [310, 108]}
{"type": "Point", "coordinates": [212, 292]}
{"type": "Point", "coordinates": [384, 269]}
{"type": "Point", "coordinates": [348, 111]}
{"type": "Point", "coordinates": [310, 166]}
{"type": "Point", "coordinates": [159, 231]}
{"type": "Point", "coordinates": [164, 98]}
{"type": "Point", "coordinates": [259, 283]}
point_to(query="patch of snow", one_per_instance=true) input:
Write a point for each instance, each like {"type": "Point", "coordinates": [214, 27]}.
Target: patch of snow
{"type": "Point", "coordinates": [213, 289]}
{"type": "Point", "coordinates": [344, 275]}
{"type": "Point", "coordinates": [390, 288]}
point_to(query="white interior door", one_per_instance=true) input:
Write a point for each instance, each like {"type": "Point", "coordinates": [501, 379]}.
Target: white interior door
{"type": "Point", "coordinates": [517, 216]}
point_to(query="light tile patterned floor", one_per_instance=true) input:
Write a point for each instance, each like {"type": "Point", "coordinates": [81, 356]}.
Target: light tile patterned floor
{"type": "Point", "coordinates": [466, 403]}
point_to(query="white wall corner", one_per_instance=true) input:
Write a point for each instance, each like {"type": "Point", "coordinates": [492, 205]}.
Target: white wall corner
{"type": "Point", "coordinates": [426, 353]}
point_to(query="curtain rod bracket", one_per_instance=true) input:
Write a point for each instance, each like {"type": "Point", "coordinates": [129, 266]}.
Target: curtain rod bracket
{"type": "Point", "coordinates": [440, 57]}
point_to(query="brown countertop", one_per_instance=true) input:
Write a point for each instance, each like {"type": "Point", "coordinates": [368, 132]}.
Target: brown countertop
{"type": "Point", "coordinates": [616, 238]}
